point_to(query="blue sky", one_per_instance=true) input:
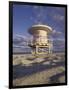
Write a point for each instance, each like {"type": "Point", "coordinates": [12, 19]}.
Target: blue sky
{"type": "Point", "coordinates": [24, 16]}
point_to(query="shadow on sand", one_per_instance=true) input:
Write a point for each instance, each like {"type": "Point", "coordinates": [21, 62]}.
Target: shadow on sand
{"type": "Point", "coordinates": [22, 71]}
{"type": "Point", "coordinates": [55, 78]}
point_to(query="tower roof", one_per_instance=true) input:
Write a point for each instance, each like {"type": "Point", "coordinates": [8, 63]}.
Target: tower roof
{"type": "Point", "coordinates": [34, 28]}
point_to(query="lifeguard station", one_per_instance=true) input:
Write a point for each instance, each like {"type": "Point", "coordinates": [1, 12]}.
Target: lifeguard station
{"type": "Point", "coordinates": [40, 43]}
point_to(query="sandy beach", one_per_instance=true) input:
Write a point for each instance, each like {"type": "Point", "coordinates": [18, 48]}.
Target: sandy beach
{"type": "Point", "coordinates": [31, 70]}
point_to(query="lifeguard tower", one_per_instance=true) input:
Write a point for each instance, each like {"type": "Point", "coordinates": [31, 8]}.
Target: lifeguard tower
{"type": "Point", "coordinates": [40, 43]}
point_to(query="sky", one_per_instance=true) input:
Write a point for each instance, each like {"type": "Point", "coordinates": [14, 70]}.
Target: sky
{"type": "Point", "coordinates": [24, 16]}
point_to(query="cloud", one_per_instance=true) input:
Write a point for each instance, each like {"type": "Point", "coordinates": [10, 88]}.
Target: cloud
{"type": "Point", "coordinates": [19, 39]}
{"type": "Point", "coordinates": [56, 32]}
{"type": "Point", "coordinates": [58, 17]}
{"type": "Point", "coordinates": [20, 44]}
{"type": "Point", "coordinates": [35, 7]}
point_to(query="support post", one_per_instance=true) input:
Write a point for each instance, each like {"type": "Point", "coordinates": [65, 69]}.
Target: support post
{"type": "Point", "coordinates": [49, 49]}
{"type": "Point", "coordinates": [36, 50]}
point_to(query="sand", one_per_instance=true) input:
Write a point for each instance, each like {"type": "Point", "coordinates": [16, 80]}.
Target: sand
{"type": "Point", "coordinates": [31, 70]}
